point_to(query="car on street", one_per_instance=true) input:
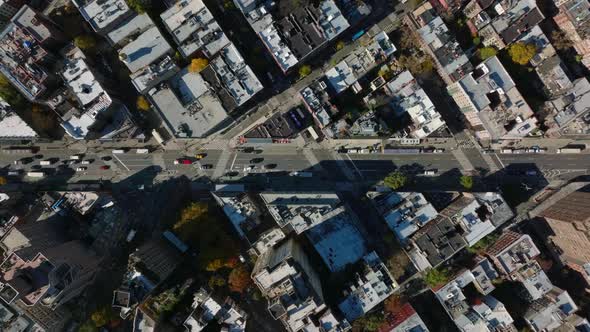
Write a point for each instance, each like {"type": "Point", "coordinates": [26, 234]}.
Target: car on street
{"type": "Point", "coordinates": [81, 169]}
{"type": "Point", "coordinates": [106, 158]}
{"type": "Point", "coordinates": [232, 173]}
{"type": "Point", "coordinates": [36, 167]}
{"type": "Point", "coordinates": [531, 172]}
{"type": "Point", "coordinates": [249, 168]}
{"type": "Point", "coordinates": [256, 160]}
{"type": "Point", "coordinates": [430, 172]}
{"type": "Point", "coordinates": [200, 156]}
{"type": "Point", "coordinates": [270, 166]}
{"type": "Point", "coordinates": [38, 156]}
{"type": "Point", "coordinates": [105, 167]}
{"type": "Point", "coordinates": [182, 162]}
{"type": "Point", "coordinates": [87, 162]}
{"type": "Point", "coordinates": [206, 166]}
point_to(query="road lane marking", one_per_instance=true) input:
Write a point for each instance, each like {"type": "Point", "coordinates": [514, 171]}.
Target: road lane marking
{"type": "Point", "coordinates": [500, 160]}
{"type": "Point", "coordinates": [354, 165]}
{"type": "Point", "coordinates": [233, 161]}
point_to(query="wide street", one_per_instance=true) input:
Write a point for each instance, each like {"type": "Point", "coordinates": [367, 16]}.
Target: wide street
{"type": "Point", "coordinates": [276, 162]}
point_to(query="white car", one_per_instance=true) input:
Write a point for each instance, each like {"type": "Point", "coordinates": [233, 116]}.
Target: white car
{"type": "Point", "coordinates": [249, 168]}
{"type": "Point", "coordinates": [81, 169]}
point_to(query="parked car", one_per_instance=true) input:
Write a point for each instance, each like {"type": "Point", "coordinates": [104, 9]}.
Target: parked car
{"type": "Point", "coordinates": [87, 162]}
{"type": "Point", "coordinates": [200, 155]}
{"type": "Point", "coordinates": [206, 166]}
{"type": "Point", "coordinates": [256, 160]}
{"type": "Point", "coordinates": [270, 166]}
{"type": "Point", "coordinates": [106, 158]}
{"type": "Point", "coordinates": [105, 167]}
{"type": "Point", "coordinates": [81, 169]}
{"type": "Point", "coordinates": [182, 162]}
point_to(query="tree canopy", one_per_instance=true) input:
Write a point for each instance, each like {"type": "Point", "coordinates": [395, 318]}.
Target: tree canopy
{"type": "Point", "coordinates": [487, 52]}
{"type": "Point", "coordinates": [85, 42]}
{"type": "Point", "coordinates": [466, 181]}
{"type": "Point", "coordinates": [142, 103]}
{"type": "Point", "coordinates": [10, 94]}
{"type": "Point", "coordinates": [3, 181]}
{"type": "Point", "coordinates": [521, 53]}
{"type": "Point", "coordinates": [436, 277]}
{"type": "Point", "coordinates": [139, 6]}
{"type": "Point", "coordinates": [197, 65]}
{"type": "Point", "coordinates": [239, 279]}
{"type": "Point", "coordinates": [304, 71]}
{"type": "Point", "coordinates": [395, 180]}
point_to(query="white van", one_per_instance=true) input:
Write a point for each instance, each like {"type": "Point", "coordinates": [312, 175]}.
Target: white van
{"type": "Point", "coordinates": [142, 151]}
{"type": "Point", "coordinates": [119, 151]}
{"type": "Point", "coordinates": [430, 172]}
{"type": "Point", "coordinates": [75, 157]}
{"type": "Point", "coordinates": [45, 162]}
{"type": "Point", "coordinates": [86, 162]}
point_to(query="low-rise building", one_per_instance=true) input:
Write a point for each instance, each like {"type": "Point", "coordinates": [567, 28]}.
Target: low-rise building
{"type": "Point", "coordinates": [551, 311]}
{"type": "Point", "coordinates": [126, 32]}
{"type": "Point", "coordinates": [473, 311]}
{"type": "Point", "coordinates": [545, 50]}
{"type": "Point", "coordinates": [7, 10]}
{"type": "Point", "coordinates": [436, 39]}
{"type": "Point", "coordinates": [492, 104]}
{"type": "Point", "coordinates": [103, 15]}
{"type": "Point", "coordinates": [568, 114]}
{"type": "Point", "coordinates": [207, 309]}
{"type": "Point", "coordinates": [27, 60]}
{"type": "Point", "coordinates": [14, 128]}
{"type": "Point", "coordinates": [500, 23]}
{"type": "Point", "coordinates": [405, 320]}
{"type": "Point", "coordinates": [188, 106]}
{"type": "Point", "coordinates": [468, 219]}
{"type": "Point", "coordinates": [404, 212]}
{"type": "Point", "coordinates": [512, 251]}
{"type": "Point", "coordinates": [572, 19]}
{"type": "Point", "coordinates": [291, 32]}
{"type": "Point", "coordinates": [317, 101]}
{"type": "Point", "coordinates": [194, 28]}
{"type": "Point", "coordinates": [97, 114]}
{"type": "Point", "coordinates": [406, 99]}
{"type": "Point", "coordinates": [371, 286]}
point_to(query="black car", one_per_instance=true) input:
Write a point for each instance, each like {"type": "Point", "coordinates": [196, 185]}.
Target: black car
{"type": "Point", "coordinates": [206, 166]}
{"type": "Point", "coordinates": [256, 160]}
{"type": "Point", "coordinates": [36, 167]}
{"type": "Point", "coordinates": [38, 156]}
{"type": "Point", "coordinates": [270, 166]}
{"type": "Point", "coordinates": [106, 158]}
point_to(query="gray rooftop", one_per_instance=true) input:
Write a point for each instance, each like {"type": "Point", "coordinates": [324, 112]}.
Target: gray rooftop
{"type": "Point", "coordinates": [134, 25]}
{"type": "Point", "coordinates": [188, 107]}
{"type": "Point", "coordinates": [147, 48]}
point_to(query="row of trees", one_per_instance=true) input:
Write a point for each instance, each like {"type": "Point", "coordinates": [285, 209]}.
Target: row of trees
{"type": "Point", "coordinates": [397, 180]}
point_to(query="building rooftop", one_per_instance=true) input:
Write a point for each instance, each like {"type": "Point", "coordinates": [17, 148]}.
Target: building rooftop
{"type": "Point", "coordinates": [553, 74]}
{"type": "Point", "coordinates": [337, 239]}
{"type": "Point", "coordinates": [317, 101]}
{"type": "Point", "coordinates": [103, 14]}
{"type": "Point", "coordinates": [240, 209]}
{"type": "Point", "coordinates": [207, 309]}
{"type": "Point", "coordinates": [22, 54]}
{"type": "Point", "coordinates": [445, 47]}
{"type": "Point", "coordinates": [406, 320]}
{"type": "Point", "coordinates": [148, 77]}
{"type": "Point", "coordinates": [550, 311]}
{"type": "Point", "coordinates": [146, 49]}
{"type": "Point", "coordinates": [188, 107]}
{"type": "Point", "coordinates": [512, 250]}
{"type": "Point", "coordinates": [404, 212]}
{"type": "Point", "coordinates": [407, 97]}
{"type": "Point", "coordinates": [126, 31]}
{"type": "Point", "coordinates": [501, 107]}
{"type": "Point", "coordinates": [301, 211]}
{"type": "Point", "coordinates": [13, 125]}
{"type": "Point", "coordinates": [534, 280]}
{"type": "Point", "coordinates": [370, 288]}
{"type": "Point", "coordinates": [235, 75]}
{"type": "Point", "coordinates": [536, 37]}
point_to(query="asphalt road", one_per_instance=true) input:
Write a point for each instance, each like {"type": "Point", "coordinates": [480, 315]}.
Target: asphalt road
{"type": "Point", "coordinates": [323, 163]}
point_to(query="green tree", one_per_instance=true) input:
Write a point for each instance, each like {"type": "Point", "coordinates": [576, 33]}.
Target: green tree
{"type": "Point", "coordinates": [216, 281]}
{"type": "Point", "coordinates": [88, 327]}
{"type": "Point", "coordinates": [102, 316]}
{"type": "Point", "coordinates": [340, 45]}
{"type": "Point", "coordinates": [466, 181]}
{"type": "Point", "coordinates": [395, 180]}
{"type": "Point", "coordinates": [369, 323]}
{"type": "Point", "coordinates": [436, 277]}
{"type": "Point", "coordinates": [239, 279]}
{"type": "Point", "coordinates": [304, 71]}
{"type": "Point", "coordinates": [140, 6]}
{"type": "Point", "coordinates": [481, 245]}
{"type": "Point", "coordinates": [476, 41]}
{"type": "Point", "coordinates": [487, 52]}
{"type": "Point", "coordinates": [521, 53]}
{"type": "Point", "coordinates": [3, 181]}
{"type": "Point", "coordinates": [10, 94]}
{"type": "Point", "coordinates": [85, 42]}
{"type": "Point", "coordinates": [142, 103]}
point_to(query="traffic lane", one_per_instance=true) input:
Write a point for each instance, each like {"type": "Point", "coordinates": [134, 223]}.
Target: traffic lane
{"type": "Point", "coordinates": [548, 161]}
{"type": "Point", "coordinates": [293, 161]}
{"type": "Point", "coordinates": [377, 166]}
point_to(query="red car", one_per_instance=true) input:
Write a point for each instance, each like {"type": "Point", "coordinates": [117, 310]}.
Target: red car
{"type": "Point", "coordinates": [182, 161]}
{"type": "Point", "coordinates": [105, 167]}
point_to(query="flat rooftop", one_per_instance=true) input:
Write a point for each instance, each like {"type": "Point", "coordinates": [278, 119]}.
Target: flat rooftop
{"type": "Point", "coordinates": [133, 25]}
{"type": "Point", "coordinates": [188, 107]}
{"type": "Point", "coordinates": [101, 13]}
{"type": "Point", "coordinates": [12, 125]}
{"type": "Point", "coordinates": [147, 48]}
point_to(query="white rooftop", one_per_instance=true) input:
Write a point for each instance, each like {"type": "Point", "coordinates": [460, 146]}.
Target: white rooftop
{"type": "Point", "coordinates": [188, 107]}
{"type": "Point", "coordinates": [147, 48]}
{"type": "Point", "coordinates": [406, 212]}
{"type": "Point", "coordinates": [332, 21]}
{"type": "Point", "coordinates": [281, 53]}
{"type": "Point", "coordinates": [101, 13]}
{"type": "Point", "coordinates": [11, 125]}
{"type": "Point", "coordinates": [340, 77]}
{"type": "Point", "coordinates": [81, 81]}
{"type": "Point", "coordinates": [236, 75]}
